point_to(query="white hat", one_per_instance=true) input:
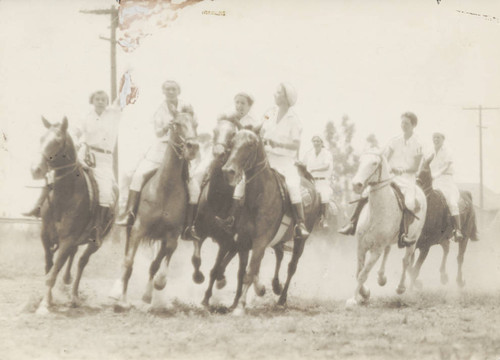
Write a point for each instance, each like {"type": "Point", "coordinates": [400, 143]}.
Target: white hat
{"type": "Point", "coordinates": [290, 92]}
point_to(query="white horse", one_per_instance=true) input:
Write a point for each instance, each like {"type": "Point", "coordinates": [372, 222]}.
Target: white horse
{"type": "Point", "coordinates": [379, 223]}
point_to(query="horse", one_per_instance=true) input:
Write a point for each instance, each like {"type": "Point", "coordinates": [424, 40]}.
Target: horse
{"type": "Point", "coordinates": [379, 223]}
{"type": "Point", "coordinates": [260, 222]}
{"type": "Point", "coordinates": [67, 213]}
{"type": "Point", "coordinates": [162, 209]}
{"type": "Point", "coordinates": [438, 228]}
{"type": "Point", "coordinates": [215, 200]}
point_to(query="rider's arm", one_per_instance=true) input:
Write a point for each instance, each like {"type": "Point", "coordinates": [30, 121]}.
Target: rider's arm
{"type": "Point", "coordinates": [160, 127]}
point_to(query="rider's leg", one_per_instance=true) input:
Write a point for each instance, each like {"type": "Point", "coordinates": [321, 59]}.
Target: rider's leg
{"type": "Point", "coordinates": [100, 226]}
{"type": "Point", "coordinates": [293, 184]}
{"type": "Point", "coordinates": [350, 228]}
{"type": "Point", "coordinates": [454, 210]}
{"type": "Point", "coordinates": [229, 222]}
{"type": "Point", "coordinates": [128, 217]}
{"type": "Point", "coordinates": [189, 232]}
{"type": "Point", "coordinates": [323, 188]}
{"type": "Point", "coordinates": [410, 204]}
{"type": "Point", "coordinates": [36, 211]}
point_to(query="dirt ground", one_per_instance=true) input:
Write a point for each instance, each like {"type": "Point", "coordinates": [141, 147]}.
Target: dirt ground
{"type": "Point", "coordinates": [438, 322]}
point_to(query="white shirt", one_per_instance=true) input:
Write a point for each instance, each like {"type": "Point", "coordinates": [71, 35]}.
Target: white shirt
{"type": "Point", "coordinates": [313, 161]}
{"type": "Point", "coordinates": [162, 118]}
{"type": "Point", "coordinates": [100, 131]}
{"type": "Point", "coordinates": [442, 160]}
{"type": "Point", "coordinates": [404, 151]}
{"type": "Point", "coordinates": [286, 131]}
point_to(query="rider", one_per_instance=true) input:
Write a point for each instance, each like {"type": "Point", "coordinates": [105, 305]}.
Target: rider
{"type": "Point", "coordinates": [281, 130]}
{"type": "Point", "coordinates": [154, 157]}
{"type": "Point", "coordinates": [96, 139]}
{"type": "Point", "coordinates": [319, 163]}
{"type": "Point", "coordinates": [243, 103]}
{"type": "Point", "coordinates": [404, 154]}
{"type": "Point", "coordinates": [441, 166]}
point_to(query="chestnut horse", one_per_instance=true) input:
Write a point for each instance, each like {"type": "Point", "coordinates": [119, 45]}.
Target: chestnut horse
{"type": "Point", "coordinates": [261, 218]}
{"type": "Point", "coordinates": [438, 228]}
{"type": "Point", "coordinates": [67, 216]}
{"type": "Point", "coordinates": [162, 208]}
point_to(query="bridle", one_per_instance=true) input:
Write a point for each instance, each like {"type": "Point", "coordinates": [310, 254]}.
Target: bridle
{"type": "Point", "coordinates": [48, 160]}
{"type": "Point", "coordinates": [382, 183]}
{"type": "Point", "coordinates": [177, 146]}
{"type": "Point", "coordinates": [225, 146]}
{"type": "Point", "coordinates": [257, 168]}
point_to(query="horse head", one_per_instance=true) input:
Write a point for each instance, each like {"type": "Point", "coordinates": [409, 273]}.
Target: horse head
{"type": "Point", "coordinates": [54, 150]}
{"type": "Point", "coordinates": [243, 156]}
{"type": "Point", "coordinates": [372, 170]}
{"type": "Point", "coordinates": [183, 133]}
{"type": "Point", "coordinates": [226, 129]}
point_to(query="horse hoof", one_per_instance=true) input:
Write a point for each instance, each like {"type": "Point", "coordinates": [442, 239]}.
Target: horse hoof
{"type": "Point", "coordinates": [444, 279]}
{"type": "Point", "coordinates": [260, 290]}
{"type": "Point", "coordinates": [205, 303]}
{"type": "Point", "coordinates": [239, 311]}
{"type": "Point", "coordinates": [277, 287]}
{"type": "Point", "coordinates": [382, 280]}
{"type": "Point", "coordinates": [198, 277]}
{"type": "Point", "coordinates": [282, 300]}
{"type": "Point", "coordinates": [400, 290]}
{"type": "Point", "coordinates": [160, 283]}
{"type": "Point", "coordinates": [116, 290]}
{"type": "Point", "coordinates": [220, 284]}
{"type": "Point", "coordinates": [68, 280]}
{"type": "Point", "coordinates": [147, 298]}
{"type": "Point", "coordinates": [42, 310]}
{"type": "Point", "coordinates": [350, 304]}
{"type": "Point", "coordinates": [461, 283]}
{"type": "Point", "coordinates": [75, 302]}
{"type": "Point", "coordinates": [365, 293]}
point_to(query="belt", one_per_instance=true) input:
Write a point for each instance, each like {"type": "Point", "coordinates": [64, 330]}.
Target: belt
{"type": "Point", "coordinates": [320, 178]}
{"type": "Point", "coordinates": [100, 150]}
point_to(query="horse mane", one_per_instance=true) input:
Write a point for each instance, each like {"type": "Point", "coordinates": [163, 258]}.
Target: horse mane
{"type": "Point", "coordinates": [232, 118]}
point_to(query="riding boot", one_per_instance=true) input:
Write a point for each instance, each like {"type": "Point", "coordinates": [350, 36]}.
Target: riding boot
{"type": "Point", "coordinates": [100, 224]}
{"type": "Point", "coordinates": [350, 229]}
{"type": "Point", "coordinates": [128, 218]}
{"type": "Point", "coordinates": [189, 232]}
{"type": "Point", "coordinates": [457, 228]}
{"type": "Point", "coordinates": [36, 211]}
{"type": "Point", "coordinates": [228, 224]}
{"type": "Point", "coordinates": [322, 220]}
{"type": "Point", "coordinates": [407, 218]}
{"type": "Point", "coordinates": [300, 226]}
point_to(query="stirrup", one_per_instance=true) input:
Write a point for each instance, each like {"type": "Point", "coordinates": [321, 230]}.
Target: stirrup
{"type": "Point", "coordinates": [405, 242]}
{"type": "Point", "coordinates": [457, 235]}
{"type": "Point", "coordinates": [347, 229]}
{"type": "Point", "coordinates": [189, 234]}
{"type": "Point", "coordinates": [301, 230]}
{"type": "Point", "coordinates": [126, 220]}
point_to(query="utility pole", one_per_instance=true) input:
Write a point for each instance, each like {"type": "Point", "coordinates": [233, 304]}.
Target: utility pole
{"type": "Point", "coordinates": [113, 13]}
{"type": "Point", "coordinates": [481, 127]}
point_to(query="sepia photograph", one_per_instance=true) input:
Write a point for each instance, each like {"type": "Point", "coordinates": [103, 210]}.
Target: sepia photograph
{"type": "Point", "coordinates": [230, 179]}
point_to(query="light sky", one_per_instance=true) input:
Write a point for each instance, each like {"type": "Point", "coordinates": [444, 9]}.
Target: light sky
{"type": "Point", "coordinates": [370, 60]}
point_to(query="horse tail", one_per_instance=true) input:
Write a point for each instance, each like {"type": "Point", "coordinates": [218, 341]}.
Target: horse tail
{"type": "Point", "coordinates": [471, 223]}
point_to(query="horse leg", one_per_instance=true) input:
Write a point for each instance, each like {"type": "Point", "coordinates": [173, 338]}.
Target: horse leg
{"type": "Point", "coordinates": [446, 249]}
{"type": "Point", "coordinates": [277, 288]}
{"type": "Point", "coordinates": [416, 268]}
{"type": "Point", "coordinates": [243, 255]}
{"type": "Point", "coordinates": [49, 254]}
{"type": "Point", "coordinates": [213, 273]}
{"type": "Point", "coordinates": [67, 274]}
{"type": "Point", "coordinates": [460, 261]}
{"type": "Point", "coordinates": [220, 280]}
{"type": "Point", "coordinates": [382, 279]}
{"type": "Point", "coordinates": [298, 249]}
{"type": "Point", "coordinates": [128, 264]}
{"type": "Point", "coordinates": [198, 276]}
{"type": "Point", "coordinates": [82, 262]}
{"type": "Point", "coordinates": [251, 276]}
{"type": "Point", "coordinates": [153, 269]}
{"type": "Point", "coordinates": [362, 294]}
{"type": "Point", "coordinates": [64, 250]}
{"type": "Point", "coordinates": [160, 280]}
{"type": "Point", "coordinates": [406, 262]}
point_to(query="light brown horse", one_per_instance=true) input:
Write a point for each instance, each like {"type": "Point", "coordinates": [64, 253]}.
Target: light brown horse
{"type": "Point", "coordinates": [67, 216]}
{"type": "Point", "coordinates": [261, 216]}
{"type": "Point", "coordinates": [162, 208]}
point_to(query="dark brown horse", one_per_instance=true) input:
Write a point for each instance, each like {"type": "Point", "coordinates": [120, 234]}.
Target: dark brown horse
{"type": "Point", "coordinates": [215, 200]}
{"type": "Point", "coordinates": [438, 227]}
{"type": "Point", "coordinates": [67, 215]}
{"type": "Point", "coordinates": [262, 215]}
{"type": "Point", "coordinates": [162, 208]}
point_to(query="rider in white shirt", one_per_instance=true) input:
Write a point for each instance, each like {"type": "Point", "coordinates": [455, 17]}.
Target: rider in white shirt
{"type": "Point", "coordinates": [318, 162]}
{"type": "Point", "coordinates": [442, 171]}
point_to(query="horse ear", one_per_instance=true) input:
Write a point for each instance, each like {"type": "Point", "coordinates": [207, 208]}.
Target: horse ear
{"type": "Point", "coordinates": [64, 125]}
{"type": "Point", "coordinates": [46, 122]}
